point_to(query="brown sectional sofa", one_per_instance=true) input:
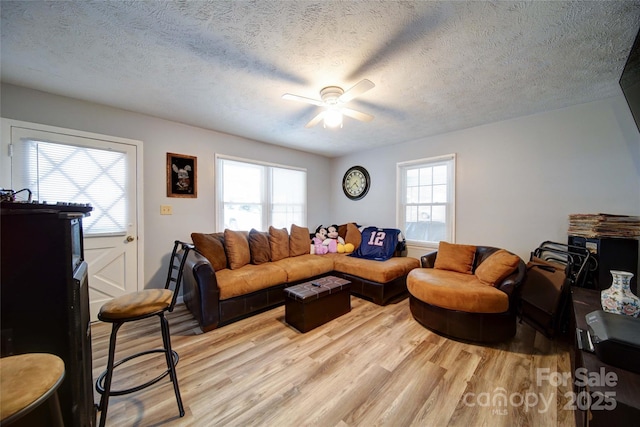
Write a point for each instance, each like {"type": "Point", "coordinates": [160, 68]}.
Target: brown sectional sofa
{"type": "Point", "coordinates": [238, 274]}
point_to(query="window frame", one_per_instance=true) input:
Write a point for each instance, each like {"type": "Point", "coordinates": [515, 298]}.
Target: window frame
{"type": "Point", "coordinates": [266, 186]}
{"type": "Point", "coordinates": [401, 192]}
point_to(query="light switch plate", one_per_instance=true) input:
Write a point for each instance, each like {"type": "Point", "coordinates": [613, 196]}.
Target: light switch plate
{"type": "Point", "coordinates": [166, 210]}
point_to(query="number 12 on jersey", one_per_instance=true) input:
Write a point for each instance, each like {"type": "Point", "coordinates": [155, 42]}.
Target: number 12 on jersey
{"type": "Point", "coordinates": [377, 238]}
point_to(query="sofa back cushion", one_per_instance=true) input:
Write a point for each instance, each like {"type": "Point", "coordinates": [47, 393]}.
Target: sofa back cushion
{"type": "Point", "coordinates": [279, 243]}
{"type": "Point", "coordinates": [259, 247]}
{"type": "Point", "coordinates": [211, 246]}
{"type": "Point", "coordinates": [236, 245]}
{"type": "Point", "coordinates": [455, 257]}
{"type": "Point", "coordinates": [299, 241]}
{"type": "Point", "coordinates": [497, 267]}
{"type": "Point", "coordinates": [353, 235]}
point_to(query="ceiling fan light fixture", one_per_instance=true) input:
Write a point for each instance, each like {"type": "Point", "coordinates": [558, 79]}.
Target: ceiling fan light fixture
{"type": "Point", "coordinates": [333, 118]}
{"type": "Point", "coordinates": [332, 98]}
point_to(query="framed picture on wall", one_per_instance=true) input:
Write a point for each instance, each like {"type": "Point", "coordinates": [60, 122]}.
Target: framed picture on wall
{"type": "Point", "coordinates": [182, 176]}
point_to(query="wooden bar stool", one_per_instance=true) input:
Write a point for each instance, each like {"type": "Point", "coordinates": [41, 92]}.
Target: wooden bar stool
{"type": "Point", "coordinates": [27, 381]}
{"type": "Point", "coordinates": [137, 306]}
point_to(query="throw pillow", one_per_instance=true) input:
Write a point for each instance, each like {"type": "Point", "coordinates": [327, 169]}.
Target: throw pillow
{"type": "Point", "coordinates": [259, 247]}
{"type": "Point", "coordinates": [299, 241]}
{"type": "Point", "coordinates": [237, 247]}
{"type": "Point", "coordinates": [455, 257]}
{"type": "Point", "coordinates": [353, 235]}
{"type": "Point", "coordinates": [212, 248]}
{"type": "Point", "coordinates": [279, 243]}
{"type": "Point", "coordinates": [342, 230]}
{"type": "Point", "coordinates": [497, 267]}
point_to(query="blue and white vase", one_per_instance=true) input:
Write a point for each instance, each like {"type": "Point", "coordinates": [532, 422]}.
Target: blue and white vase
{"type": "Point", "coordinates": [618, 298]}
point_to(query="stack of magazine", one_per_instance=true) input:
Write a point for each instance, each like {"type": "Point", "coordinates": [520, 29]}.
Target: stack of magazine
{"type": "Point", "coordinates": [604, 225]}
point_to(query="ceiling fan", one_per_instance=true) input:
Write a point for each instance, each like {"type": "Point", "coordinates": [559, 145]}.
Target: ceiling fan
{"type": "Point", "coordinates": [332, 98]}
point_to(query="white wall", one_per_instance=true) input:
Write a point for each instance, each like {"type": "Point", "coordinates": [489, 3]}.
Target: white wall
{"type": "Point", "coordinates": [159, 137]}
{"type": "Point", "coordinates": [517, 180]}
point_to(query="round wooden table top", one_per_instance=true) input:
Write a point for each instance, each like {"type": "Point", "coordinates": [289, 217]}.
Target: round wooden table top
{"type": "Point", "coordinates": [26, 381]}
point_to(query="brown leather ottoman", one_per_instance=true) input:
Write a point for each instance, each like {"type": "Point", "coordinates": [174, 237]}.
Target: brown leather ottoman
{"type": "Point", "coordinates": [308, 306]}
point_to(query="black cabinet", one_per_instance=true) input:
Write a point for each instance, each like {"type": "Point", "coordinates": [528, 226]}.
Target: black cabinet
{"type": "Point", "coordinates": [622, 389]}
{"type": "Point", "coordinates": [610, 254]}
{"type": "Point", "coordinates": [45, 301]}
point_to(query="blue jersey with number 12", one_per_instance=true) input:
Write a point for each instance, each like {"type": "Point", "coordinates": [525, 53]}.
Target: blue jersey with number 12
{"type": "Point", "coordinates": [377, 243]}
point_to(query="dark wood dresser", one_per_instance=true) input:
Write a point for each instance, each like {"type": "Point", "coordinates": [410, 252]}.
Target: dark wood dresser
{"type": "Point", "coordinates": [591, 409]}
{"type": "Point", "coordinates": [45, 301]}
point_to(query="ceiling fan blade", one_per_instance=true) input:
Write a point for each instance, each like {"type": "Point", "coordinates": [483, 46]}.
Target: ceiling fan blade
{"type": "Point", "coordinates": [363, 117]}
{"type": "Point", "coordinates": [315, 120]}
{"type": "Point", "coordinates": [291, 97]}
{"type": "Point", "coordinates": [361, 87]}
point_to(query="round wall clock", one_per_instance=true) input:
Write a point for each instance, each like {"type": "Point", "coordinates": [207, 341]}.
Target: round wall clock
{"type": "Point", "coordinates": [356, 182]}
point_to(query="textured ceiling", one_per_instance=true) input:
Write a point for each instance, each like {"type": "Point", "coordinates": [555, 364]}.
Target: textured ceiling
{"type": "Point", "coordinates": [224, 65]}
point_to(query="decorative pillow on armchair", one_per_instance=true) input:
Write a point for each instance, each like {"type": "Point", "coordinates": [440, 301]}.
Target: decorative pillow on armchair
{"type": "Point", "coordinates": [455, 257]}
{"type": "Point", "coordinates": [497, 267]}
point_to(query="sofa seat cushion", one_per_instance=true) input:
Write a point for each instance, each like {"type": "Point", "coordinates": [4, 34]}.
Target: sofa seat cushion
{"type": "Point", "coordinates": [305, 266]}
{"type": "Point", "coordinates": [456, 291]}
{"type": "Point", "coordinates": [376, 271]}
{"type": "Point", "coordinates": [249, 278]}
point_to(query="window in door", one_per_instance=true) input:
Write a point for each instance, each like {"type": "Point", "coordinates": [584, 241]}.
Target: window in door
{"type": "Point", "coordinates": [59, 172]}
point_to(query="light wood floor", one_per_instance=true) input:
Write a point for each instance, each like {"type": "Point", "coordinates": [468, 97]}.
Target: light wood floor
{"type": "Point", "coordinates": [373, 366]}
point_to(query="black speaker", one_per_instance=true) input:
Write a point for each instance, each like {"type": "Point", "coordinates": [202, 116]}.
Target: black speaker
{"type": "Point", "coordinates": [610, 254]}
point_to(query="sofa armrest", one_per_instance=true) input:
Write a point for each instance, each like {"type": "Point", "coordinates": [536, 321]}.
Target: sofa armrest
{"type": "Point", "coordinates": [200, 291]}
{"type": "Point", "coordinates": [511, 284]}
{"type": "Point", "coordinates": [428, 260]}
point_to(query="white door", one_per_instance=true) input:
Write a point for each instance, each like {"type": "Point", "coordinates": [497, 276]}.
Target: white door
{"type": "Point", "coordinates": [66, 167]}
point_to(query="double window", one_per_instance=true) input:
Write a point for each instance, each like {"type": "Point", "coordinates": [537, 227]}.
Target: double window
{"type": "Point", "coordinates": [426, 208]}
{"type": "Point", "coordinates": [256, 195]}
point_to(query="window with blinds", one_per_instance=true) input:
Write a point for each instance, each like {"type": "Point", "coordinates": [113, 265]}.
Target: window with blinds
{"type": "Point", "coordinates": [257, 195]}
{"type": "Point", "coordinates": [58, 172]}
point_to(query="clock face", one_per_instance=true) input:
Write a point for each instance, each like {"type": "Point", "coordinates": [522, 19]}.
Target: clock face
{"type": "Point", "coordinates": [356, 182]}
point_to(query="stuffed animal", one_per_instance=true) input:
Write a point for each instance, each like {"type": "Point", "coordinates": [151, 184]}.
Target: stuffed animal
{"type": "Point", "coordinates": [317, 246]}
{"type": "Point", "coordinates": [334, 242]}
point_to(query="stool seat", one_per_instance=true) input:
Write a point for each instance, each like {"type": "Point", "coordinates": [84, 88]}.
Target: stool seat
{"type": "Point", "coordinates": [26, 381]}
{"type": "Point", "coordinates": [136, 305]}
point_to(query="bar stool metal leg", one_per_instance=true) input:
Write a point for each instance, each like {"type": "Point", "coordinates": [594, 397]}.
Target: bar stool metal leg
{"type": "Point", "coordinates": [104, 399]}
{"type": "Point", "coordinates": [56, 412]}
{"type": "Point", "coordinates": [166, 337]}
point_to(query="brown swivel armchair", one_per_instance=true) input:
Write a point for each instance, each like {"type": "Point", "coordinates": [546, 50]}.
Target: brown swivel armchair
{"type": "Point", "coordinates": [460, 306]}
